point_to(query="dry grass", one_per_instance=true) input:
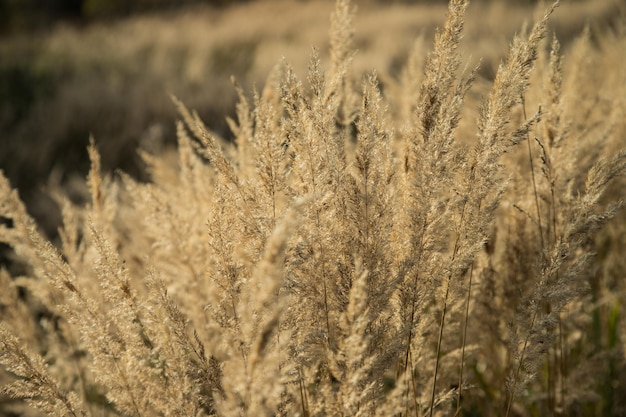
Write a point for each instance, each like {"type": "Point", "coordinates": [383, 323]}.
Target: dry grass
{"type": "Point", "coordinates": [49, 82]}
{"type": "Point", "coordinates": [356, 251]}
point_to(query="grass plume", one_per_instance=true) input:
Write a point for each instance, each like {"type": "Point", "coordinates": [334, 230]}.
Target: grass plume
{"type": "Point", "coordinates": [356, 250]}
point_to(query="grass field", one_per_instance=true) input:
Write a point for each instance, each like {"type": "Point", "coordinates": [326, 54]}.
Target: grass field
{"type": "Point", "coordinates": [402, 210]}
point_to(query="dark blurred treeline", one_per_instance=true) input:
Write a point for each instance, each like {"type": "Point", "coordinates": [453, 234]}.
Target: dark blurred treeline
{"type": "Point", "coordinates": [26, 15]}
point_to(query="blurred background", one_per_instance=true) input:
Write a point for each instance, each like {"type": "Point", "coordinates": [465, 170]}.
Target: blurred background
{"type": "Point", "coordinates": [74, 68]}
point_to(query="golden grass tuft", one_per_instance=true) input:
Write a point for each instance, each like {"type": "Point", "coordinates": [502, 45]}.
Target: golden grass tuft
{"type": "Point", "coordinates": [353, 252]}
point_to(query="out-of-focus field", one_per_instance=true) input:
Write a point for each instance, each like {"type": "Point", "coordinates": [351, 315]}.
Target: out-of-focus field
{"type": "Point", "coordinates": [114, 80]}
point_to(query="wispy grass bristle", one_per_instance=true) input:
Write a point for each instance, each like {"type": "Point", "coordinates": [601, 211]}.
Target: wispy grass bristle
{"type": "Point", "coordinates": [349, 253]}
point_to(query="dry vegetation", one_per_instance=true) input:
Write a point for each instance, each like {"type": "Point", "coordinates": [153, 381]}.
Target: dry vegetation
{"type": "Point", "coordinates": [113, 79]}
{"type": "Point", "coordinates": [440, 243]}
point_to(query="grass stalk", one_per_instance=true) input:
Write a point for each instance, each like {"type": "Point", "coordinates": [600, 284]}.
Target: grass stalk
{"type": "Point", "coordinates": [464, 341]}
